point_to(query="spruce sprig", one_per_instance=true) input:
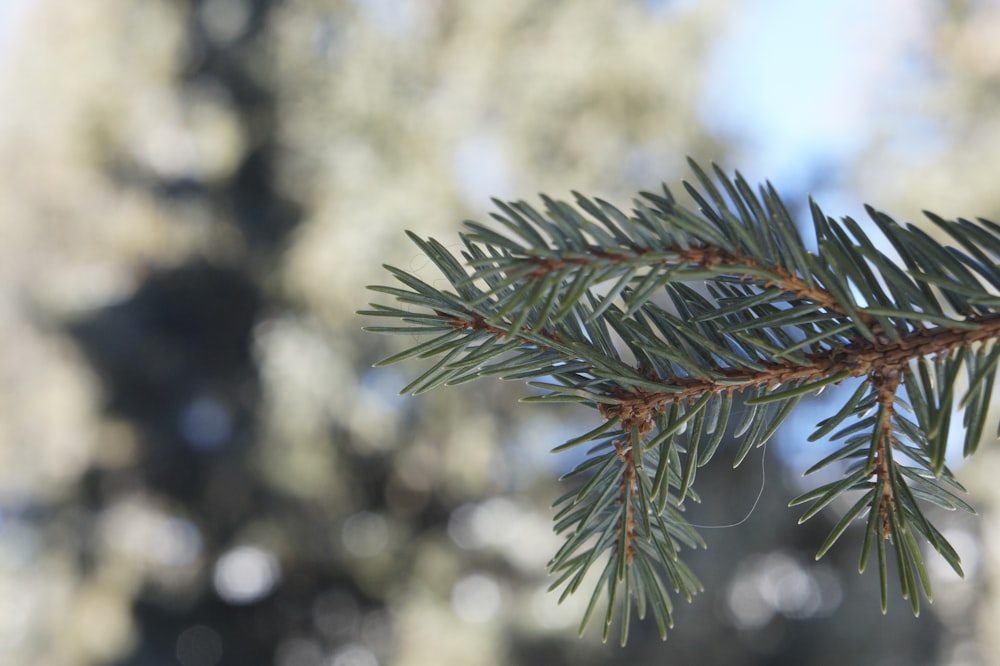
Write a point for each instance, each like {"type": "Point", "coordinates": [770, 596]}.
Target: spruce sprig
{"type": "Point", "coordinates": [663, 318]}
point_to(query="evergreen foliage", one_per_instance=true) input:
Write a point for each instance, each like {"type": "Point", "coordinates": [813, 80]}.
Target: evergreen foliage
{"type": "Point", "coordinates": [665, 318]}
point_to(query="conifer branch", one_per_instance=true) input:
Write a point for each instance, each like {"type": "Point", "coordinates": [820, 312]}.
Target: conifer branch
{"type": "Point", "coordinates": [663, 319]}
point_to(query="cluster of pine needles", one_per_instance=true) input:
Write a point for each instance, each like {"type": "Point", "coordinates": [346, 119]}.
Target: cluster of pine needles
{"type": "Point", "coordinates": [684, 326]}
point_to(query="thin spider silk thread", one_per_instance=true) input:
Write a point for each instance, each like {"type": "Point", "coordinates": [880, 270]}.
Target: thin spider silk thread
{"type": "Point", "coordinates": [760, 493]}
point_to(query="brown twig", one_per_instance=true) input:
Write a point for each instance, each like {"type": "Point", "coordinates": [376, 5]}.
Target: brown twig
{"type": "Point", "coordinates": [860, 359]}
{"type": "Point", "coordinates": [626, 490]}
{"type": "Point", "coordinates": [706, 257]}
{"type": "Point", "coordinates": [886, 382]}
{"type": "Point", "coordinates": [639, 423]}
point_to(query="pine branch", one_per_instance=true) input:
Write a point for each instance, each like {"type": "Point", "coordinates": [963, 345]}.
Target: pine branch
{"type": "Point", "coordinates": [662, 319]}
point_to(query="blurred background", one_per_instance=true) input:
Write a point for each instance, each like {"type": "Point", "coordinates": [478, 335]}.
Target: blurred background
{"type": "Point", "coordinates": [198, 465]}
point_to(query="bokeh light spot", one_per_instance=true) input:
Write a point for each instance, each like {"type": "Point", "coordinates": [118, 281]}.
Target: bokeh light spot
{"type": "Point", "coordinates": [548, 614]}
{"type": "Point", "coordinates": [476, 598]}
{"type": "Point", "coordinates": [353, 655]}
{"type": "Point", "coordinates": [148, 535]}
{"type": "Point", "coordinates": [523, 536]}
{"type": "Point", "coordinates": [205, 424]}
{"type": "Point", "coordinates": [778, 584]}
{"type": "Point", "coordinates": [245, 574]}
{"type": "Point", "coordinates": [174, 542]}
{"type": "Point", "coordinates": [365, 534]}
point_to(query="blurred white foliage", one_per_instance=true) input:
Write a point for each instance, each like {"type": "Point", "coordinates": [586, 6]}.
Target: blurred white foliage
{"type": "Point", "coordinates": [379, 102]}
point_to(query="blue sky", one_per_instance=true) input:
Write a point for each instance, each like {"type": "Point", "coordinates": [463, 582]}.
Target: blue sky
{"type": "Point", "coordinates": [804, 87]}
{"type": "Point", "coordinates": [801, 82]}
{"type": "Point", "coordinates": [8, 9]}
